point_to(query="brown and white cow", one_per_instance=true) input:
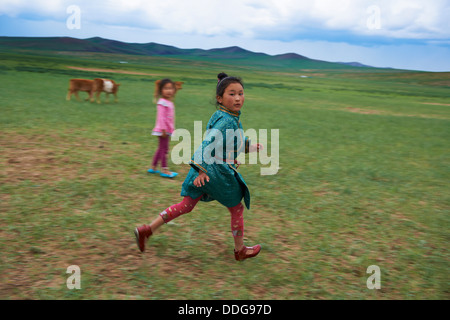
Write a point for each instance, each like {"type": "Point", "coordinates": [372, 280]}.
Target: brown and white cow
{"type": "Point", "coordinates": [105, 85]}
{"type": "Point", "coordinates": [178, 86]}
{"type": "Point", "coordinates": [76, 85]}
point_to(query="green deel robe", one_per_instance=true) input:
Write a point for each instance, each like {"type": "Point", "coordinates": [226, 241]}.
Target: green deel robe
{"type": "Point", "coordinates": [226, 185]}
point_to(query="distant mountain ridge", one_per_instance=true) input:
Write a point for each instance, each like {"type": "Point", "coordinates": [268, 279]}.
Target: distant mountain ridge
{"type": "Point", "coordinates": [101, 45]}
{"type": "Point", "coordinates": [355, 64]}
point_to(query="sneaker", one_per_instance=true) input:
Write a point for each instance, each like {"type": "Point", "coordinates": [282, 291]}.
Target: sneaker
{"type": "Point", "coordinates": [243, 253]}
{"type": "Point", "coordinates": [142, 234]}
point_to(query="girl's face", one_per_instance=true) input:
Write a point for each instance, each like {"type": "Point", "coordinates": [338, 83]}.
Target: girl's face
{"type": "Point", "coordinates": [233, 97]}
{"type": "Point", "coordinates": [168, 91]}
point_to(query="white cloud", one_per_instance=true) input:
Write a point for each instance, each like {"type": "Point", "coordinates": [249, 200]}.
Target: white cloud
{"type": "Point", "coordinates": [38, 9]}
{"type": "Point", "coordinates": [410, 19]}
{"type": "Point", "coordinates": [413, 19]}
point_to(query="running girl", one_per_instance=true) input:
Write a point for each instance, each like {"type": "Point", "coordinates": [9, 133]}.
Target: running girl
{"type": "Point", "coordinates": [215, 176]}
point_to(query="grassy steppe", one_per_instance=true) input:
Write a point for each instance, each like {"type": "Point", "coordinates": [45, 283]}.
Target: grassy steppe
{"type": "Point", "coordinates": [364, 177]}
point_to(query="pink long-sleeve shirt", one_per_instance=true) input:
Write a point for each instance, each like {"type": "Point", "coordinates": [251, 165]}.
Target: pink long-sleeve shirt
{"type": "Point", "coordinates": [165, 117]}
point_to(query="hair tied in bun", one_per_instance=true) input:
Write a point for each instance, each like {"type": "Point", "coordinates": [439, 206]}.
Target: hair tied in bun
{"type": "Point", "coordinates": [221, 76]}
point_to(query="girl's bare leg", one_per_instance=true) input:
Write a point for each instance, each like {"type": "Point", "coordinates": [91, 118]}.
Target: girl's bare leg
{"type": "Point", "coordinates": [158, 222]}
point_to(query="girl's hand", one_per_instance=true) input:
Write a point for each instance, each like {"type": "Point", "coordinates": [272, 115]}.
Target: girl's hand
{"type": "Point", "coordinates": [201, 180]}
{"type": "Point", "coordinates": [255, 147]}
{"type": "Point", "coordinates": [164, 134]}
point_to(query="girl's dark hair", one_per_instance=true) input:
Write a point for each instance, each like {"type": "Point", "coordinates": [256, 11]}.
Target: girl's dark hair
{"type": "Point", "coordinates": [224, 81]}
{"type": "Point", "coordinates": [162, 83]}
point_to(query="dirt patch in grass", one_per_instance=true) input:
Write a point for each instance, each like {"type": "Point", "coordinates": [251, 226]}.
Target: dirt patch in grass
{"type": "Point", "coordinates": [43, 267]}
{"type": "Point", "coordinates": [113, 71]}
{"type": "Point", "coordinates": [363, 111]}
{"type": "Point", "coordinates": [380, 112]}
{"type": "Point", "coordinates": [26, 158]}
{"type": "Point", "coordinates": [46, 158]}
{"type": "Point", "coordinates": [437, 104]}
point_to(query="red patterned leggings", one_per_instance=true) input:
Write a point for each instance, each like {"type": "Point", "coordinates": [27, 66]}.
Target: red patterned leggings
{"type": "Point", "coordinates": [188, 204]}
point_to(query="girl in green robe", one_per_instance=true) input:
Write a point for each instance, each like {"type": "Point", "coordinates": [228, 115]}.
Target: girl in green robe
{"type": "Point", "coordinates": [213, 174]}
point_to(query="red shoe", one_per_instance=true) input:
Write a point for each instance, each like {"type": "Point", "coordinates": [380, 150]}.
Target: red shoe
{"type": "Point", "coordinates": [142, 234]}
{"type": "Point", "coordinates": [242, 254]}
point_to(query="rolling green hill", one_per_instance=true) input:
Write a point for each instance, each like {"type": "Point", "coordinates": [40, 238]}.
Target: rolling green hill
{"type": "Point", "coordinates": [235, 55]}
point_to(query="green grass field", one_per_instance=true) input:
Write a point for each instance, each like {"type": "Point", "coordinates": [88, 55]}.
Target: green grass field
{"type": "Point", "coordinates": [364, 175]}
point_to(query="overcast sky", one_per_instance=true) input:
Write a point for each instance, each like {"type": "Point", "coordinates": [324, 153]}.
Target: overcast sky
{"type": "Point", "coordinates": [404, 34]}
